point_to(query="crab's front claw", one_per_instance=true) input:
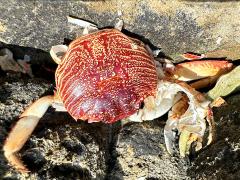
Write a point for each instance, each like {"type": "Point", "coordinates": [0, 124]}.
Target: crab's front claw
{"type": "Point", "coordinates": [206, 70]}
{"type": "Point", "coordinates": [188, 116]}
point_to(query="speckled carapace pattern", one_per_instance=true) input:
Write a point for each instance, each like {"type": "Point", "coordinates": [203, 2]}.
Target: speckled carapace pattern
{"type": "Point", "coordinates": [104, 76]}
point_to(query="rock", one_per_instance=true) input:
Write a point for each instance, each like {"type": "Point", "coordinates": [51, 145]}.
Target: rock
{"type": "Point", "coordinates": [141, 154]}
{"type": "Point", "coordinates": [176, 27]}
{"type": "Point", "coordinates": [61, 148]}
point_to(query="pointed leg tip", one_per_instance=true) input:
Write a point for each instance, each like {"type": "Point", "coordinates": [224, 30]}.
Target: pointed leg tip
{"type": "Point", "coordinates": [16, 163]}
{"type": "Point", "coordinates": [24, 171]}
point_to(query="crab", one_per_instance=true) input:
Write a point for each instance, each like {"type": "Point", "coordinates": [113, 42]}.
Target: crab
{"type": "Point", "coordinates": [107, 76]}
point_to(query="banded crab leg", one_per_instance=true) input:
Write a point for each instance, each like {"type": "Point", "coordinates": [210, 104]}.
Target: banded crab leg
{"type": "Point", "coordinates": [30, 118]}
{"type": "Point", "coordinates": [57, 52]}
{"type": "Point", "coordinates": [24, 128]}
{"type": "Point", "coordinates": [89, 27]}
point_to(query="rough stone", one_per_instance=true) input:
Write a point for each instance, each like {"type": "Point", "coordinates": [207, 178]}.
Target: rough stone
{"type": "Point", "coordinates": [61, 148]}
{"type": "Point", "coordinates": [141, 154]}
{"type": "Point", "coordinates": [176, 26]}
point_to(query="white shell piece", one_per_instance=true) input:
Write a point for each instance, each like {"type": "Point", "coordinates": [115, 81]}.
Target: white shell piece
{"type": "Point", "coordinates": [80, 22]}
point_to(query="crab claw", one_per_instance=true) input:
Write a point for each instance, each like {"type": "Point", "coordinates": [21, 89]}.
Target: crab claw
{"type": "Point", "coordinates": [188, 116]}
{"type": "Point", "coordinates": [189, 113]}
{"type": "Point", "coordinates": [194, 70]}
{"type": "Point", "coordinates": [205, 71]}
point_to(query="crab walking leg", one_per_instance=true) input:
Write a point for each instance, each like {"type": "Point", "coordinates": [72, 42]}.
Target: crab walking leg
{"type": "Point", "coordinates": [88, 26]}
{"type": "Point", "coordinates": [206, 82]}
{"type": "Point", "coordinates": [57, 52]}
{"type": "Point", "coordinates": [119, 25]}
{"type": "Point", "coordinates": [23, 129]}
{"type": "Point", "coordinates": [188, 113]}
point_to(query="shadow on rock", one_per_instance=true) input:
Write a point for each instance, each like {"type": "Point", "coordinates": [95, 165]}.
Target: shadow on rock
{"type": "Point", "coordinates": [41, 62]}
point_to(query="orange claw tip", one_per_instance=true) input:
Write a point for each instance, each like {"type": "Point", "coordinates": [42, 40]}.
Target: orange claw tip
{"type": "Point", "coordinates": [192, 56]}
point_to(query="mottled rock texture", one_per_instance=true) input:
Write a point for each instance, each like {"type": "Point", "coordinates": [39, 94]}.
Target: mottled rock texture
{"type": "Point", "coordinates": [175, 26]}
{"type": "Point", "coordinates": [61, 148]}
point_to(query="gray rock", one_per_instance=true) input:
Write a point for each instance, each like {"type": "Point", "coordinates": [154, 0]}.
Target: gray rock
{"type": "Point", "coordinates": [141, 154]}
{"type": "Point", "coordinates": [176, 26]}
{"type": "Point", "coordinates": [63, 149]}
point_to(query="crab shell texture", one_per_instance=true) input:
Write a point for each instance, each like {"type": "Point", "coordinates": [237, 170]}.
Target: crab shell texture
{"type": "Point", "coordinates": [105, 76]}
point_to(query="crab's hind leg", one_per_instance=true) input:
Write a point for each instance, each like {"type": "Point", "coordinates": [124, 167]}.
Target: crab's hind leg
{"type": "Point", "coordinates": [88, 26]}
{"type": "Point", "coordinates": [23, 129]}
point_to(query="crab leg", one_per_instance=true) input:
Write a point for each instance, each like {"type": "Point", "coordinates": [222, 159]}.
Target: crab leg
{"type": "Point", "coordinates": [206, 82]}
{"type": "Point", "coordinates": [88, 26]}
{"type": "Point", "coordinates": [23, 129]}
{"type": "Point", "coordinates": [188, 113]}
{"type": "Point", "coordinates": [119, 24]}
{"type": "Point", "coordinates": [57, 52]}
